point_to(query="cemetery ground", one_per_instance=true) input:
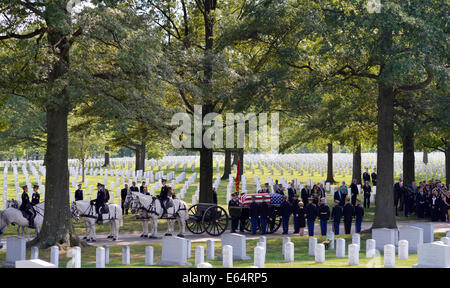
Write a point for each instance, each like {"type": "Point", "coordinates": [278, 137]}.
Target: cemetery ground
{"type": "Point", "coordinates": [274, 257]}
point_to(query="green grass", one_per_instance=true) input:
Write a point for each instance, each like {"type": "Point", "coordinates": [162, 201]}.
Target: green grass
{"type": "Point", "coordinates": [274, 257]}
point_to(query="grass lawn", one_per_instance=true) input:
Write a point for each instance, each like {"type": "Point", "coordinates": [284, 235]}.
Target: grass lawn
{"type": "Point", "coordinates": [274, 257]}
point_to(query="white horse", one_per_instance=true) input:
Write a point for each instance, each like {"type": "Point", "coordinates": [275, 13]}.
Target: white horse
{"type": "Point", "coordinates": [12, 215]}
{"type": "Point", "coordinates": [150, 209]}
{"type": "Point", "coordinates": [85, 210]}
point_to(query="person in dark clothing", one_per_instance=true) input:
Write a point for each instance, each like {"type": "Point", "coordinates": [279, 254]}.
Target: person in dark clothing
{"type": "Point", "coordinates": [35, 197]}
{"type": "Point", "coordinates": [324, 216]}
{"type": "Point", "coordinates": [354, 191]}
{"type": "Point", "coordinates": [339, 196]}
{"type": "Point", "coordinates": [366, 176]}
{"type": "Point", "coordinates": [26, 207]}
{"type": "Point", "coordinates": [106, 193]}
{"type": "Point", "coordinates": [133, 187]}
{"type": "Point", "coordinates": [336, 214]}
{"type": "Point", "coordinates": [301, 218]}
{"type": "Point", "coordinates": [79, 193]}
{"type": "Point", "coordinates": [434, 207]}
{"type": "Point", "coordinates": [398, 195]}
{"type": "Point", "coordinates": [234, 202]}
{"type": "Point", "coordinates": [366, 190]}
{"type": "Point", "coordinates": [123, 195]}
{"type": "Point", "coordinates": [311, 214]}
{"type": "Point", "coordinates": [263, 214]}
{"type": "Point", "coordinates": [141, 189]}
{"type": "Point", "coordinates": [164, 195]}
{"type": "Point", "coordinates": [295, 213]}
{"type": "Point", "coordinates": [420, 203]}
{"type": "Point", "coordinates": [254, 215]}
{"type": "Point", "coordinates": [304, 194]}
{"type": "Point", "coordinates": [359, 214]}
{"type": "Point", "coordinates": [245, 214]}
{"type": "Point", "coordinates": [291, 192]}
{"type": "Point", "coordinates": [374, 177]}
{"type": "Point", "coordinates": [280, 189]}
{"type": "Point", "coordinates": [99, 202]}
{"type": "Point", "coordinates": [285, 213]}
{"type": "Point", "coordinates": [349, 212]}
{"type": "Point", "coordinates": [214, 192]}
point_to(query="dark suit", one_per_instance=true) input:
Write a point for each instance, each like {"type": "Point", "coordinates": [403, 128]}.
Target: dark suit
{"type": "Point", "coordinates": [366, 191]}
{"type": "Point", "coordinates": [359, 214]}
{"type": "Point", "coordinates": [291, 191]}
{"type": "Point", "coordinates": [123, 196]}
{"type": "Point", "coordinates": [304, 195]}
{"type": "Point", "coordinates": [349, 211]}
{"type": "Point", "coordinates": [311, 214]}
{"type": "Point", "coordinates": [374, 178]}
{"type": "Point", "coordinates": [336, 214]}
{"type": "Point", "coordinates": [339, 197]}
{"type": "Point", "coordinates": [354, 191]}
{"type": "Point", "coordinates": [285, 213]}
{"type": "Point", "coordinates": [366, 176]}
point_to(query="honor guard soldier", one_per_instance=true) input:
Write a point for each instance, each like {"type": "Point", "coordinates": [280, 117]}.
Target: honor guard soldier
{"type": "Point", "coordinates": [366, 176]}
{"type": "Point", "coordinates": [141, 189]}
{"type": "Point", "coordinates": [123, 195]}
{"type": "Point", "coordinates": [99, 203]}
{"type": "Point", "coordinates": [234, 202]}
{"type": "Point", "coordinates": [359, 214]}
{"type": "Point", "coordinates": [106, 191]}
{"type": "Point", "coordinates": [254, 215]}
{"type": "Point", "coordinates": [26, 207]}
{"type": "Point", "coordinates": [164, 195]}
{"type": "Point", "coordinates": [285, 213]}
{"type": "Point", "coordinates": [349, 212]}
{"type": "Point", "coordinates": [133, 187]}
{"type": "Point", "coordinates": [79, 193]}
{"type": "Point", "coordinates": [304, 194]}
{"type": "Point", "coordinates": [296, 213]}
{"type": "Point", "coordinates": [374, 177]}
{"type": "Point", "coordinates": [354, 191]}
{"type": "Point", "coordinates": [263, 214]}
{"type": "Point", "coordinates": [35, 197]}
{"type": "Point", "coordinates": [311, 214]}
{"type": "Point", "coordinates": [324, 216]}
{"type": "Point", "coordinates": [336, 214]}
{"type": "Point", "coordinates": [366, 191]}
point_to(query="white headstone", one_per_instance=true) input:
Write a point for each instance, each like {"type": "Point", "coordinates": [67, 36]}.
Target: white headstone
{"type": "Point", "coordinates": [199, 255]}
{"type": "Point", "coordinates": [34, 263]}
{"type": "Point", "coordinates": [34, 253]}
{"type": "Point", "coordinates": [312, 246]}
{"type": "Point", "coordinates": [188, 248]}
{"type": "Point", "coordinates": [126, 255]}
{"type": "Point", "coordinates": [389, 256]}
{"type": "Point", "coordinates": [433, 255]}
{"type": "Point", "coordinates": [319, 254]}
{"type": "Point", "coordinates": [100, 257]}
{"type": "Point", "coordinates": [340, 248]}
{"type": "Point", "coordinates": [106, 254]}
{"type": "Point", "coordinates": [210, 250]}
{"type": "Point", "coordinates": [383, 236]}
{"type": "Point", "coordinates": [289, 254]}
{"type": "Point", "coordinates": [174, 252]}
{"type": "Point", "coordinates": [76, 257]}
{"type": "Point", "coordinates": [54, 255]}
{"type": "Point", "coordinates": [149, 255]}
{"type": "Point", "coordinates": [285, 241]}
{"type": "Point", "coordinates": [259, 256]}
{"type": "Point", "coordinates": [15, 250]}
{"type": "Point", "coordinates": [445, 240]}
{"type": "Point", "coordinates": [412, 234]}
{"type": "Point", "coordinates": [428, 231]}
{"type": "Point", "coordinates": [330, 238]}
{"type": "Point", "coordinates": [227, 252]}
{"type": "Point", "coordinates": [370, 248]}
{"type": "Point", "coordinates": [447, 234]}
{"type": "Point", "coordinates": [238, 243]}
{"type": "Point", "coordinates": [204, 265]}
{"type": "Point", "coordinates": [353, 254]}
{"type": "Point", "coordinates": [403, 250]}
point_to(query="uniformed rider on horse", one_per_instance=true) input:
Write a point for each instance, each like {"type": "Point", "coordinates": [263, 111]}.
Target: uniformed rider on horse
{"type": "Point", "coordinates": [164, 195]}
{"type": "Point", "coordinates": [27, 208]}
{"type": "Point", "coordinates": [100, 201]}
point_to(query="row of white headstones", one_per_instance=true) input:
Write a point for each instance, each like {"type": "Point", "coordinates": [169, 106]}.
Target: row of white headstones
{"type": "Point", "coordinates": [176, 252]}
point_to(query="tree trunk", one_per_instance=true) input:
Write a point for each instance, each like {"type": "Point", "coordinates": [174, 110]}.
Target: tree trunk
{"type": "Point", "coordinates": [83, 173]}
{"type": "Point", "coordinates": [330, 177]}
{"type": "Point", "coordinates": [106, 164]}
{"type": "Point", "coordinates": [206, 175]}
{"type": "Point", "coordinates": [138, 159]}
{"type": "Point", "coordinates": [140, 156]}
{"type": "Point", "coordinates": [408, 155]}
{"type": "Point", "coordinates": [357, 163]}
{"type": "Point", "coordinates": [235, 158]}
{"type": "Point", "coordinates": [227, 165]}
{"type": "Point", "coordinates": [57, 227]}
{"type": "Point", "coordinates": [425, 156]}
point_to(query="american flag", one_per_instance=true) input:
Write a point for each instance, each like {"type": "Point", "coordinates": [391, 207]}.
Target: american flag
{"type": "Point", "coordinates": [246, 199]}
{"type": "Point", "coordinates": [275, 198]}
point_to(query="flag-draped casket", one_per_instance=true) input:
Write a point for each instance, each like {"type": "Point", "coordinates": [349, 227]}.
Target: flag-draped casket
{"type": "Point", "coordinates": [271, 198]}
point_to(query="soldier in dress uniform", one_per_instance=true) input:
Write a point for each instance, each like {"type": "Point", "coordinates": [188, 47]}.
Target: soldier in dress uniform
{"type": "Point", "coordinates": [133, 187]}
{"type": "Point", "coordinates": [141, 189]}
{"type": "Point", "coordinates": [26, 207]}
{"type": "Point", "coordinates": [35, 197]}
{"type": "Point", "coordinates": [254, 215]}
{"type": "Point", "coordinates": [354, 191]}
{"type": "Point", "coordinates": [311, 214]}
{"type": "Point", "coordinates": [366, 190]}
{"type": "Point", "coordinates": [106, 193]}
{"type": "Point", "coordinates": [359, 214]}
{"type": "Point", "coordinates": [234, 202]}
{"type": "Point", "coordinates": [263, 214]}
{"type": "Point", "coordinates": [336, 214]}
{"type": "Point", "coordinates": [374, 177]}
{"type": "Point", "coordinates": [79, 193]}
{"type": "Point", "coordinates": [285, 213]}
{"type": "Point", "coordinates": [99, 202]}
{"type": "Point", "coordinates": [296, 213]}
{"type": "Point", "coordinates": [366, 176]}
{"type": "Point", "coordinates": [324, 216]}
{"type": "Point", "coordinates": [349, 212]}
{"type": "Point", "coordinates": [164, 195]}
{"type": "Point", "coordinates": [123, 195]}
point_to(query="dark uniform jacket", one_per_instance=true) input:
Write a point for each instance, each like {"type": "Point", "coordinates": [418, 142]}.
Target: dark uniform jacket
{"type": "Point", "coordinates": [366, 176]}
{"type": "Point", "coordinates": [215, 197]}
{"type": "Point", "coordinates": [349, 211]}
{"type": "Point", "coordinates": [374, 178]}
{"type": "Point", "coordinates": [254, 210]}
{"type": "Point", "coordinates": [291, 192]}
{"type": "Point", "coordinates": [101, 199]}
{"type": "Point", "coordinates": [35, 198]}
{"type": "Point", "coordinates": [341, 198]}
{"type": "Point", "coordinates": [164, 192]}
{"type": "Point", "coordinates": [324, 212]}
{"type": "Point", "coordinates": [295, 207]}
{"type": "Point", "coordinates": [264, 210]}
{"type": "Point", "coordinates": [337, 213]}
{"type": "Point", "coordinates": [279, 191]}
{"type": "Point", "coordinates": [26, 205]}
{"type": "Point", "coordinates": [311, 211]}
{"type": "Point", "coordinates": [78, 195]}
{"type": "Point", "coordinates": [367, 189]}
{"type": "Point", "coordinates": [134, 189]}
{"type": "Point", "coordinates": [304, 194]}
{"type": "Point", "coordinates": [123, 193]}
{"type": "Point", "coordinates": [232, 203]}
{"type": "Point", "coordinates": [141, 189]}
{"type": "Point", "coordinates": [354, 189]}
{"type": "Point", "coordinates": [285, 209]}
{"type": "Point", "coordinates": [106, 195]}
{"type": "Point", "coordinates": [359, 212]}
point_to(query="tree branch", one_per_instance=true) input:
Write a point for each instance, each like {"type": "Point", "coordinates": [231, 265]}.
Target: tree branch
{"type": "Point", "coordinates": [23, 36]}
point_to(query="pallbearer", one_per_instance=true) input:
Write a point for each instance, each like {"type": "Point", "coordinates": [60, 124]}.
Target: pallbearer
{"type": "Point", "coordinates": [336, 214]}
{"type": "Point", "coordinates": [311, 214]}
{"type": "Point", "coordinates": [234, 202]}
{"type": "Point", "coordinates": [254, 215]}
{"type": "Point", "coordinates": [263, 214]}
{"type": "Point", "coordinates": [349, 211]}
{"type": "Point", "coordinates": [285, 212]}
{"type": "Point", "coordinates": [359, 214]}
{"type": "Point", "coordinates": [296, 213]}
{"type": "Point", "coordinates": [324, 216]}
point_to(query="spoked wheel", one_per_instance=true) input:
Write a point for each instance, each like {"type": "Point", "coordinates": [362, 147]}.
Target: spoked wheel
{"type": "Point", "coordinates": [273, 223]}
{"type": "Point", "coordinates": [194, 222]}
{"type": "Point", "coordinates": [215, 220]}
